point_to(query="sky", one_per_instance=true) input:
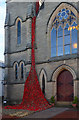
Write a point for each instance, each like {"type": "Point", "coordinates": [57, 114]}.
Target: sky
{"type": "Point", "coordinates": [2, 33]}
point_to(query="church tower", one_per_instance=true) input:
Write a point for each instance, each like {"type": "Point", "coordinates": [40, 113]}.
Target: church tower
{"type": "Point", "coordinates": [17, 47]}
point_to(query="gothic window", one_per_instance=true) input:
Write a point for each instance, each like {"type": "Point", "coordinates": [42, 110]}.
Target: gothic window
{"type": "Point", "coordinates": [66, 40]}
{"type": "Point", "coordinates": [60, 41]}
{"type": "Point", "coordinates": [43, 85]}
{"type": "Point", "coordinates": [19, 32]}
{"type": "Point", "coordinates": [22, 74]}
{"type": "Point", "coordinates": [53, 42]}
{"type": "Point", "coordinates": [74, 39]}
{"type": "Point", "coordinates": [64, 33]}
{"type": "Point", "coordinates": [16, 71]}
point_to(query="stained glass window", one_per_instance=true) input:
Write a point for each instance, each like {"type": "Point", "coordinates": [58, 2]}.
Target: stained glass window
{"type": "Point", "coordinates": [63, 39]}
{"type": "Point", "coordinates": [53, 42]}
{"type": "Point", "coordinates": [66, 40]}
{"type": "Point", "coordinates": [19, 32]}
{"type": "Point", "coordinates": [60, 41]}
{"type": "Point", "coordinates": [74, 38]}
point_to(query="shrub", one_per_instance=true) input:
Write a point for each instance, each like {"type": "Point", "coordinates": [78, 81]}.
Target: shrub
{"type": "Point", "coordinates": [52, 100]}
{"type": "Point", "coordinates": [75, 101]}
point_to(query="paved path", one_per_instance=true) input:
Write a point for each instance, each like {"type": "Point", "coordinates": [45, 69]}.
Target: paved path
{"type": "Point", "coordinates": [71, 114]}
{"type": "Point", "coordinates": [47, 113]}
{"type": "Point", "coordinates": [54, 113]}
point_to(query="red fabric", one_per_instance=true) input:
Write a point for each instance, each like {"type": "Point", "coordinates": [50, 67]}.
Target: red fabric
{"type": "Point", "coordinates": [33, 98]}
{"type": "Point", "coordinates": [37, 7]}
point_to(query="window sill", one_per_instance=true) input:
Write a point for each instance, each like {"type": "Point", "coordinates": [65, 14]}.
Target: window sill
{"type": "Point", "coordinates": [15, 82]}
{"type": "Point", "coordinates": [64, 57]}
{"type": "Point", "coordinates": [18, 45]}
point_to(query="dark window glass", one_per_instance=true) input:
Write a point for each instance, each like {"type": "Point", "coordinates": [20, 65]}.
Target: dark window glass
{"type": "Point", "coordinates": [22, 71]}
{"type": "Point", "coordinates": [59, 14]}
{"type": "Point", "coordinates": [53, 42]}
{"type": "Point", "coordinates": [43, 85]}
{"type": "Point", "coordinates": [63, 10]}
{"type": "Point", "coordinates": [72, 14]}
{"type": "Point", "coordinates": [74, 39]}
{"type": "Point", "coordinates": [63, 14]}
{"type": "Point", "coordinates": [67, 11]}
{"type": "Point", "coordinates": [16, 72]}
{"type": "Point", "coordinates": [19, 32]}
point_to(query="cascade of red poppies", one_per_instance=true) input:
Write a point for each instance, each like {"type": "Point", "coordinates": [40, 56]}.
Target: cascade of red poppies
{"type": "Point", "coordinates": [33, 98]}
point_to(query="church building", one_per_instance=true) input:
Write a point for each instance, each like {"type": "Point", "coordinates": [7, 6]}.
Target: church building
{"type": "Point", "coordinates": [56, 49]}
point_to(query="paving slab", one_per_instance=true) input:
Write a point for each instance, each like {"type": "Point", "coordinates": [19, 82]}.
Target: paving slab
{"type": "Point", "coordinates": [47, 113]}
{"type": "Point", "coordinates": [71, 114]}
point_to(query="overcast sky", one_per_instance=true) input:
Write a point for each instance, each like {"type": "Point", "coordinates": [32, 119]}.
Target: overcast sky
{"type": "Point", "coordinates": [2, 33]}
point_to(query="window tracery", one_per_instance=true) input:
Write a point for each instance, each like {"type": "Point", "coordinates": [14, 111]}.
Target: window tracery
{"type": "Point", "coordinates": [63, 39]}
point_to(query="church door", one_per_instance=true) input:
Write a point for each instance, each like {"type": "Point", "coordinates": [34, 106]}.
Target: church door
{"type": "Point", "coordinates": [65, 86]}
{"type": "Point", "coordinates": [43, 85]}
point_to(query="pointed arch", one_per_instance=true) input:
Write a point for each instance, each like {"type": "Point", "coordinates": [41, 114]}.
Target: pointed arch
{"type": "Point", "coordinates": [60, 41]}
{"type": "Point", "coordinates": [74, 39]}
{"type": "Point", "coordinates": [61, 68]}
{"type": "Point", "coordinates": [57, 72]}
{"type": "Point", "coordinates": [53, 42]}
{"type": "Point", "coordinates": [43, 84]}
{"type": "Point", "coordinates": [42, 80]}
{"type": "Point", "coordinates": [65, 89]}
{"type": "Point", "coordinates": [61, 19]}
{"type": "Point", "coordinates": [16, 70]}
{"type": "Point", "coordinates": [18, 18]}
{"type": "Point", "coordinates": [67, 40]}
{"type": "Point", "coordinates": [18, 28]}
{"type": "Point", "coordinates": [22, 70]}
{"type": "Point", "coordinates": [21, 61]}
{"type": "Point", "coordinates": [55, 11]}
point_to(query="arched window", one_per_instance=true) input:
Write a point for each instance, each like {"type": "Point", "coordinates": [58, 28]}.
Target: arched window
{"type": "Point", "coordinates": [42, 81]}
{"type": "Point", "coordinates": [22, 71]}
{"type": "Point", "coordinates": [19, 32]}
{"type": "Point", "coordinates": [16, 71]}
{"type": "Point", "coordinates": [66, 40]}
{"type": "Point", "coordinates": [64, 33]}
{"type": "Point", "coordinates": [60, 41]}
{"type": "Point", "coordinates": [43, 84]}
{"type": "Point", "coordinates": [53, 42]}
{"type": "Point", "coordinates": [74, 39]}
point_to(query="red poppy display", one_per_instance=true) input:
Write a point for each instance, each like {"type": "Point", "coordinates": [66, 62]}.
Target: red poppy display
{"type": "Point", "coordinates": [33, 98]}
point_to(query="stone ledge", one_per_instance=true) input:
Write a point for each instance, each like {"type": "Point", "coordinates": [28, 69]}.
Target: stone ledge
{"type": "Point", "coordinates": [64, 57]}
